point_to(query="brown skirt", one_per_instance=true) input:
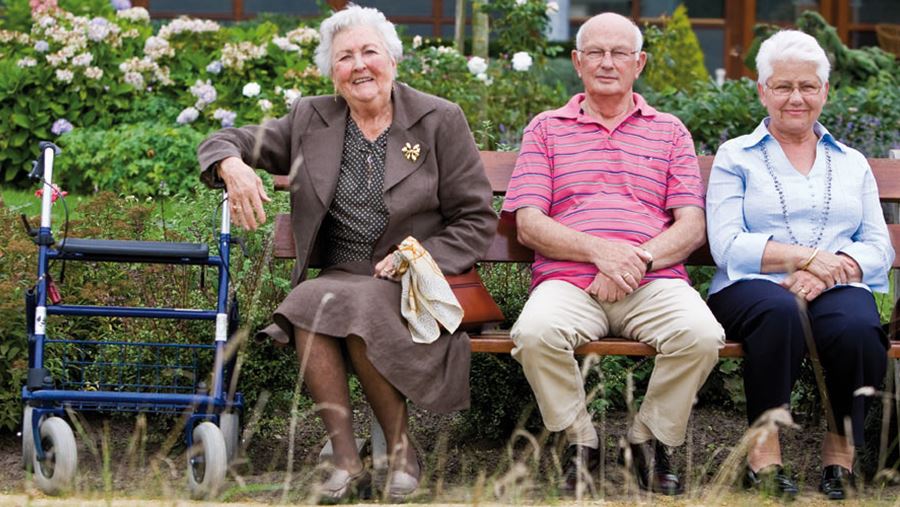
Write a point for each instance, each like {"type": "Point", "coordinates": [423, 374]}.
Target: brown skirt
{"type": "Point", "coordinates": [346, 299]}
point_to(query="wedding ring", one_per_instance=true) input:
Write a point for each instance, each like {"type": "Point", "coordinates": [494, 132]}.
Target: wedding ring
{"type": "Point", "coordinates": [804, 290]}
{"type": "Point", "coordinates": [626, 274]}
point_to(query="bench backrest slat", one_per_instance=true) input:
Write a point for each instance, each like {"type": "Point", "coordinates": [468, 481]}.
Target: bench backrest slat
{"type": "Point", "coordinates": [505, 248]}
{"type": "Point", "coordinates": [499, 167]}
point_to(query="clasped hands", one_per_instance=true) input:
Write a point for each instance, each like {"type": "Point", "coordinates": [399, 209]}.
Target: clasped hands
{"type": "Point", "coordinates": [621, 267]}
{"type": "Point", "coordinates": [823, 272]}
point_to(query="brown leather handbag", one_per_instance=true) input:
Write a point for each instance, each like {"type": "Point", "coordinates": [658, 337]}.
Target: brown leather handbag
{"type": "Point", "coordinates": [478, 306]}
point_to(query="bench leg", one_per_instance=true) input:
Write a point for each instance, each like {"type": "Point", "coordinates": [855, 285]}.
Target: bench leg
{"type": "Point", "coordinates": [327, 452]}
{"type": "Point", "coordinates": [379, 445]}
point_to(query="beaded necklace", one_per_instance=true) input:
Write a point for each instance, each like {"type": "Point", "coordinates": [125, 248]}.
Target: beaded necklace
{"type": "Point", "coordinates": [823, 218]}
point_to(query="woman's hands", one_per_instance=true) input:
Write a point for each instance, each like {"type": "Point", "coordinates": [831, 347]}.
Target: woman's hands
{"type": "Point", "coordinates": [824, 272]}
{"type": "Point", "coordinates": [854, 272]}
{"type": "Point", "coordinates": [830, 268]}
{"type": "Point", "coordinates": [246, 194]}
{"type": "Point", "coordinates": [385, 269]}
{"type": "Point", "coordinates": [804, 284]}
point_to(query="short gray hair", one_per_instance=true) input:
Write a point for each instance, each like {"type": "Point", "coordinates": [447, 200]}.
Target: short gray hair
{"type": "Point", "coordinates": [791, 46]}
{"type": "Point", "coordinates": [352, 16]}
{"type": "Point", "coordinates": [638, 36]}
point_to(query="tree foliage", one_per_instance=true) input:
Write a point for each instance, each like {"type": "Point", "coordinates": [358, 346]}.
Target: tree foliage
{"type": "Point", "coordinates": [675, 60]}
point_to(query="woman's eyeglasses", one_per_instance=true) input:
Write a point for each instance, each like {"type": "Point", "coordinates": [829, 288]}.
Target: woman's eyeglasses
{"type": "Point", "coordinates": [786, 89]}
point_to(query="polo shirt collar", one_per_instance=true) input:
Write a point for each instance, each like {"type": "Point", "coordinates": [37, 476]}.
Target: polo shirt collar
{"type": "Point", "coordinates": [573, 107]}
{"type": "Point", "coordinates": [761, 132]}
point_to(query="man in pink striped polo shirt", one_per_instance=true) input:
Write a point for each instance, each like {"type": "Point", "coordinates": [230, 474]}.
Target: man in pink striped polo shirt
{"type": "Point", "coordinates": [607, 192]}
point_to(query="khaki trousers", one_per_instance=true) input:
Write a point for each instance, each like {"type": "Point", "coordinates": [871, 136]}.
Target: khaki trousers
{"type": "Point", "coordinates": [669, 315]}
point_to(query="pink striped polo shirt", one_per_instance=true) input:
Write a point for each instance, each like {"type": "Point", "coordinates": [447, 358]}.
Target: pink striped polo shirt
{"type": "Point", "coordinates": [619, 185]}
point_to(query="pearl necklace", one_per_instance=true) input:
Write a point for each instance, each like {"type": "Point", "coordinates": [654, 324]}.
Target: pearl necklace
{"type": "Point", "coordinates": [823, 218]}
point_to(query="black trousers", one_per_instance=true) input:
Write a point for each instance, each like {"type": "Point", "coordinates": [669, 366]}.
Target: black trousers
{"type": "Point", "coordinates": [846, 330]}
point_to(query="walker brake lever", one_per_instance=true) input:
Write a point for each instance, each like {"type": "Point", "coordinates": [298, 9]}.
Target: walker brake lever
{"type": "Point", "coordinates": [235, 240]}
{"type": "Point", "coordinates": [31, 231]}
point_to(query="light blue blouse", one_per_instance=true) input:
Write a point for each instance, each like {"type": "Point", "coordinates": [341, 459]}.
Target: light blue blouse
{"type": "Point", "coordinates": [744, 212]}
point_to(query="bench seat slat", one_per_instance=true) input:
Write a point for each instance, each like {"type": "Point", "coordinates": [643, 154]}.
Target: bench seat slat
{"type": "Point", "coordinates": [500, 343]}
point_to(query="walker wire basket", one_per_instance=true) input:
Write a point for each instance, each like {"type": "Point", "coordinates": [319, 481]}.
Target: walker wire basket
{"type": "Point", "coordinates": [121, 366]}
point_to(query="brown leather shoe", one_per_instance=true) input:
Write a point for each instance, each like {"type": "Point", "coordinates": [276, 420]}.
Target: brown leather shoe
{"type": "Point", "coordinates": [580, 464]}
{"type": "Point", "coordinates": [651, 468]}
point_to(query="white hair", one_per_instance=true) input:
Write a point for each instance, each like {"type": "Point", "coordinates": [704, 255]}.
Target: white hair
{"type": "Point", "coordinates": [791, 46]}
{"type": "Point", "coordinates": [638, 37]}
{"type": "Point", "coordinates": [353, 16]}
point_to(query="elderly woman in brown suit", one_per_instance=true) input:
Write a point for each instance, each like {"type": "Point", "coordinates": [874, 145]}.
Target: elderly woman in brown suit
{"type": "Point", "coordinates": [369, 166]}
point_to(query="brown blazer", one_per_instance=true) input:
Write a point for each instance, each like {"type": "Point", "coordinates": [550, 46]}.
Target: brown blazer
{"type": "Point", "coordinates": [443, 198]}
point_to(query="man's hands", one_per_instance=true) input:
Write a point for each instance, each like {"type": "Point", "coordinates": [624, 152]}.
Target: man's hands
{"type": "Point", "coordinates": [246, 194]}
{"type": "Point", "coordinates": [621, 267]}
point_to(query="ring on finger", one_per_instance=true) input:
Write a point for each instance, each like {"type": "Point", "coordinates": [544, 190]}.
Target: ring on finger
{"type": "Point", "coordinates": [626, 274]}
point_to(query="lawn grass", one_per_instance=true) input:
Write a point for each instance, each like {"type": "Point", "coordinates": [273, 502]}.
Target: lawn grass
{"type": "Point", "coordinates": [25, 201]}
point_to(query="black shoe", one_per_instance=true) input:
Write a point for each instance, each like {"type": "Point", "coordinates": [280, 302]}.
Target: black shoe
{"type": "Point", "coordinates": [650, 466]}
{"type": "Point", "coordinates": [837, 482]}
{"type": "Point", "coordinates": [580, 463]}
{"type": "Point", "coordinates": [771, 480]}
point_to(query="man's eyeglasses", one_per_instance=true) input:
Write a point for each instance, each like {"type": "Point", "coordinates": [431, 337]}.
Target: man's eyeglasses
{"type": "Point", "coordinates": [618, 55]}
{"type": "Point", "coordinates": [786, 89]}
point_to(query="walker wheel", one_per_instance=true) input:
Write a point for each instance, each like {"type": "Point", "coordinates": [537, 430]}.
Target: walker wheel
{"type": "Point", "coordinates": [27, 438]}
{"type": "Point", "coordinates": [56, 472]}
{"type": "Point", "coordinates": [206, 461]}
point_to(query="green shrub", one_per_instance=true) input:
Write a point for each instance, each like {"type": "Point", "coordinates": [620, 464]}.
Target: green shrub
{"type": "Point", "coordinates": [520, 26]}
{"type": "Point", "coordinates": [76, 81]}
{"type": "Point", "coordinates": [712, 114]}
{"type": "Point", "coordinates": [99, 77]}
{"type": "Point", "coordinates": [17, 263]}
{"type": "Point", "coordinates": [867, 119]}
{"type": "Point", "coordinates": [16, 15]}
{"type": "Point", "coordinates": [870, 66]}
{"type": "Point", "coordinates": [145, 158]}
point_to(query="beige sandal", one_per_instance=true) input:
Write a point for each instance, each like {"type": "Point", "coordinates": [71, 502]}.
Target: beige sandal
{"type": "Point", "coordinates": [341, 486]}
{"type": "Point", "coordinates": [401, 485]}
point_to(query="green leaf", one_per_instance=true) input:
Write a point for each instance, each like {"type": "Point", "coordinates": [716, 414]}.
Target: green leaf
{"type": "Point", "coordinates": [21, 120]}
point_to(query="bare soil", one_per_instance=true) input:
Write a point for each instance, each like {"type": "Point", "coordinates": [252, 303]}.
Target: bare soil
{"type": "Point", "coordinates": [117, 460]}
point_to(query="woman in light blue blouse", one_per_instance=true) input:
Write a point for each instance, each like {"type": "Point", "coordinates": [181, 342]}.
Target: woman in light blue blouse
{"type": "Point", "coordinates": [799, 239]}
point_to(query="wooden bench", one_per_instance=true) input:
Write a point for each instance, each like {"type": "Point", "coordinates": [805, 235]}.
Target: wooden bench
{"type": "Point", "coordinates": [506, 248]}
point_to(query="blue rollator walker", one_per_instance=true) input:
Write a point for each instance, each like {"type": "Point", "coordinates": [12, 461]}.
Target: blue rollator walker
{"type": "Point", "coordinates": [124, 376]}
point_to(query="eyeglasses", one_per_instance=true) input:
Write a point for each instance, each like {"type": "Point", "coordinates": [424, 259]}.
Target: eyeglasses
{"type": "Point", "coordinates": [617, 54]}
{"type": "Point", "coordinates": [786, 89]}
